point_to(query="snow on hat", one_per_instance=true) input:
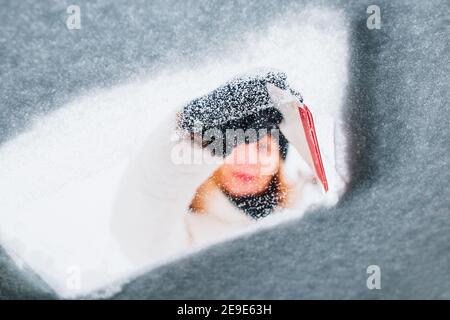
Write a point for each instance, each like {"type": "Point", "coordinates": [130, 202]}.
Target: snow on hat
{"type": "Point", "coordinates": [242, 103]}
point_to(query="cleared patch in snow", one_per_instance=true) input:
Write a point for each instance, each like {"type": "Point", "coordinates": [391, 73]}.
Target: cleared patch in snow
{"type": "Point", "coordinates": [58, 179]}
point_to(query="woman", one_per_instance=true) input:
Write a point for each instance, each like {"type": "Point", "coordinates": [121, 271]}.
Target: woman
{"type": "Point", "coordinates": [214, 168]}
{"type": "Point", "coordinates": [249, 185]}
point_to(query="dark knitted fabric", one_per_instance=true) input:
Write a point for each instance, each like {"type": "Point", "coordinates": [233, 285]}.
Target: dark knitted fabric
{"type": "Point", "coordinates": [236, 99]}
{"type": "Point", "coordinates": [258, 205]}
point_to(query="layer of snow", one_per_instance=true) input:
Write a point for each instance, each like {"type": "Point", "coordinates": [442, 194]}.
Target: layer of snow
{"type": "Point", "coordinates": [58, 179]}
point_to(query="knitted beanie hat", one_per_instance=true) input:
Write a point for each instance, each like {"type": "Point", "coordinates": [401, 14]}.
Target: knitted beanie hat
{"type": "Point", "coordinates": [242, 103]}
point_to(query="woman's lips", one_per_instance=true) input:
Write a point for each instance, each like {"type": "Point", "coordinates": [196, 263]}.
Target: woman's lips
{"type": "Point", "coordinates": [244, 176]}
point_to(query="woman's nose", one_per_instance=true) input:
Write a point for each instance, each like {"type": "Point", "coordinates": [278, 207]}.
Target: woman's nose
{"type": "Point", "coordinates": [247, 153]}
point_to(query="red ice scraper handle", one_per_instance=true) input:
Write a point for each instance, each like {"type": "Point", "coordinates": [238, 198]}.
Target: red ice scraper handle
{"type": "Point", "coordinates": [313, 144]}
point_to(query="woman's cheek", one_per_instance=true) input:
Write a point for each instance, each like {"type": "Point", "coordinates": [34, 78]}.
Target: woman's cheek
{"type": "Point", "coordinates": [268, 164]}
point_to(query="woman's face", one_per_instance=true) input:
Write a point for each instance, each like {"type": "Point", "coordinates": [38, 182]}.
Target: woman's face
{"type": "Point", "coordinates": [248, 170]}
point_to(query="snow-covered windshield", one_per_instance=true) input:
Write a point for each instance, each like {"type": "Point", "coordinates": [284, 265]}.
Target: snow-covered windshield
{"type": "Point", "coordinates": [60, 177]}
